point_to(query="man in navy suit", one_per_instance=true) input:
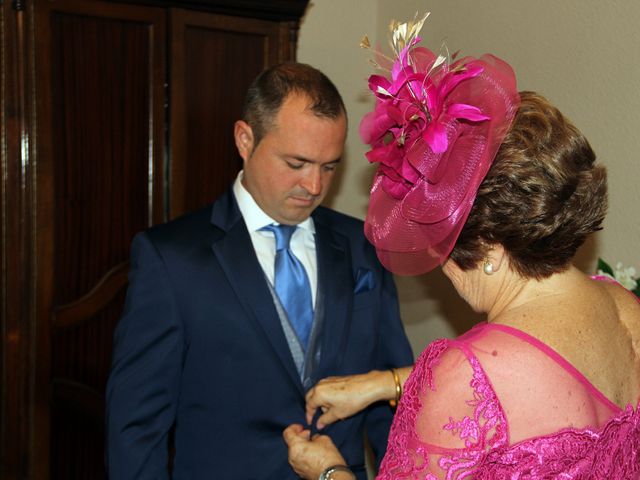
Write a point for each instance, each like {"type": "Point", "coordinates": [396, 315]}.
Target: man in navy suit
{"type": "Point", "coordinates": [206, 348]}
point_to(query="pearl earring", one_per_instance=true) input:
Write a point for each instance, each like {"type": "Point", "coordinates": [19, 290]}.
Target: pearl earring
{"type": "Point", "coordinates": [488, 267]}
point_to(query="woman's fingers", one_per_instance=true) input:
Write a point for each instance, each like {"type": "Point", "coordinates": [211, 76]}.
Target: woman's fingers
{"type": "Point", "coordinates": [327, 418]}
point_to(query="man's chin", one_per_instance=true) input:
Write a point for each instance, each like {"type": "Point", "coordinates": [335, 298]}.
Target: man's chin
{"type": "Point", "coordinates": [297, 215]}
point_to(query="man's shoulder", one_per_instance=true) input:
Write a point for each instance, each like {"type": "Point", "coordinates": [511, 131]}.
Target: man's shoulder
{"type": "Point", "coordinates": [183, 224]}
{"type": "Point", "coordinates": [339, 221]}
{"type": "Point", "coordinates": [184, 232]}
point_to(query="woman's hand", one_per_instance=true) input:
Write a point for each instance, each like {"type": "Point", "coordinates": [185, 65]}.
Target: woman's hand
{"type": "Point", "coordinates": [310, 456]}
{"type": "Point", "coordinates": [341, 397]}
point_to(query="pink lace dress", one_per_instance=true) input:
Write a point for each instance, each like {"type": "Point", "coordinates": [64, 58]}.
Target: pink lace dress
{"type": "Point", "coordinates": [496, 403]}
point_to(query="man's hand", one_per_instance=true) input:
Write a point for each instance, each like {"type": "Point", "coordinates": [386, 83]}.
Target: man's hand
{"type": "Point", "coordinates": [310, 456]}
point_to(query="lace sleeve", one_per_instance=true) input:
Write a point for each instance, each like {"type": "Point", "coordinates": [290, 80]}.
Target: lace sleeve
{"type": "Point", "coordinates": [448, 419]}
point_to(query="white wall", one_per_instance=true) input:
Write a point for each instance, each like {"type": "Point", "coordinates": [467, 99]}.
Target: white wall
{"type": "Point", "coordinates": [581, 54]}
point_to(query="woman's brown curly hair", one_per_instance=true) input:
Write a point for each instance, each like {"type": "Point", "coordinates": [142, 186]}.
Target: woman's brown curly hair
{"type": "Point", "coordinates": [541, 197]}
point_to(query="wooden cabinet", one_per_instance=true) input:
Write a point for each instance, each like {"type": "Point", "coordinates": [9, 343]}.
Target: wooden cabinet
{"type": "Point", "coordinates": [115, 116]}
{"type": "Point", "coordinates": [213, 60]}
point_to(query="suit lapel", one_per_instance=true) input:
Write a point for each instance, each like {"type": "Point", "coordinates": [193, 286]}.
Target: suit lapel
{"type": "Point", "coordinates": [335, 279]}
{"type": "Point", "coordinates": [235, 253]}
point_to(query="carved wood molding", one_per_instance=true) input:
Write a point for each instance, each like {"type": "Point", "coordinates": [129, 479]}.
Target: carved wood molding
{"type": "Point", "coordinates": [283, 10]}
{"type": "Point", "coordinates": [90, 304]}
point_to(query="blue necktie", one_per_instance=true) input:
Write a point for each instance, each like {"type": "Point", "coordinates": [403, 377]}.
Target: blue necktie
{"type": "Point", "coordinates": [292, 284]}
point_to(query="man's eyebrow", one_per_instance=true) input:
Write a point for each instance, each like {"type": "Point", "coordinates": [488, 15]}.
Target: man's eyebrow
{"type": "Point", "coordinates": [308, 160]}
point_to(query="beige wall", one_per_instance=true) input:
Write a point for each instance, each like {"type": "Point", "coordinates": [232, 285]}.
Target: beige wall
{"type": "Point", "coordinates": [582, 54]}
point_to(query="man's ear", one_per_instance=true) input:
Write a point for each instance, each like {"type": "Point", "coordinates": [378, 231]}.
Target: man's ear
{"type": "Point", "coordinates": [243, 136]}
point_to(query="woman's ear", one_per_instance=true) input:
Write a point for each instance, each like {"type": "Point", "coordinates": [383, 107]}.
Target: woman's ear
{"type": "Point", "coordinates": [243, 136]}
{"type": "Point", "coordinates": [496, 256]}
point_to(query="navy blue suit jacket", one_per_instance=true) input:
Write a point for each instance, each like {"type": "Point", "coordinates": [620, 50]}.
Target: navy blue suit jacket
{"type": "Point", "coordinates": [200, 348]}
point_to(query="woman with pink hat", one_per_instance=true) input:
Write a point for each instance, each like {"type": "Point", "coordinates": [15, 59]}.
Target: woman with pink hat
{"type": "Point", "coordinates": [499, 189]}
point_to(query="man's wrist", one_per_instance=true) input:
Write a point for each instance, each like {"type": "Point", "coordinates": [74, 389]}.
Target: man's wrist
{"type": "Point", "coordinates": [337, 472]}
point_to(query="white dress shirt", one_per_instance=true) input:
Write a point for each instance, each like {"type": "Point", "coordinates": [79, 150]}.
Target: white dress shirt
{"type": "Point", "coordinates": [303, 244]}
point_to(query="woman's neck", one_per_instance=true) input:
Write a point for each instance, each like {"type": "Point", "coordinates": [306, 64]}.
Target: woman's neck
{"type": "Point", "coordinates": [518, 295]}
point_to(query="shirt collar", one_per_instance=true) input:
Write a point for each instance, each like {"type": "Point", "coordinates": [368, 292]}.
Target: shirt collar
{"type": "Point", "coordinates": [254, 217]}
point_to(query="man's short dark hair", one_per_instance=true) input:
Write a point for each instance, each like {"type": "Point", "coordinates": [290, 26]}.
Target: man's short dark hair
{"type": "Point", "coordinates": [268, 91]}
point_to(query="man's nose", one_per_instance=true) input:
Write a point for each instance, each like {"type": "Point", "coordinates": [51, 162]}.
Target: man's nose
{"type": "Point", "coordinates": [312, 182]}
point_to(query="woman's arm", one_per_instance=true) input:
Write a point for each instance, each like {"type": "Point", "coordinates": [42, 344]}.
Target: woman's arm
{"type": "Point", "coordinates": [341, 397]}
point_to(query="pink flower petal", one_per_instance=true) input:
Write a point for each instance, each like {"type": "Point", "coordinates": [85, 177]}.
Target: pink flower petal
{"type": "Point", "coordinates": [374, 125]}
{"type": "Point", "coordinates": [380, 86]}
{"type": "Point", "coordinates": [389, 155]}
{"type": "Point", "coordinates": [453, 78]}
{"type": "Point", "coordinates": [468, 112]}
{"type": "Point", "coordinates": [436, 136]}
{"type": "Point", "coordinates": [366, 128]}
{"type": "Point", "coordinates": [396, 190]}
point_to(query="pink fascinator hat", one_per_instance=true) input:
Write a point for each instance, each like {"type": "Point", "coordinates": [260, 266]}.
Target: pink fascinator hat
{"type": "Point", "coordinates": [435, 130]}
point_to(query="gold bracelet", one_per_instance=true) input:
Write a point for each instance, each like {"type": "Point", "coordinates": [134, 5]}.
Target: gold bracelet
{"type": "Point", "coordinates": [396, 379]}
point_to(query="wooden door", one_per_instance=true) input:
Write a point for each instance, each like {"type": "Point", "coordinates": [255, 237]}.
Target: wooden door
{"type": "Point", "coordinates": [93, 93]}
{"type": "Point", "coordinates": [213, 60]}
{"type": "Point", "coordinates": [100, 176]}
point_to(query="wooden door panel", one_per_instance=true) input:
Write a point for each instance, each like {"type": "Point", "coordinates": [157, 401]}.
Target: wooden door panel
{"type": "Point", "coordinates": [214, 58]}
{"type": "Point", "coordinates": [100, 118]}
{"type": "Point", "coordinates": [102, 181]}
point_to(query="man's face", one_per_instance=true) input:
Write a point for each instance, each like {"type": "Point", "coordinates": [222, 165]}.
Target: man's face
{"type": "Point", "coordinates": [289, 172]}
